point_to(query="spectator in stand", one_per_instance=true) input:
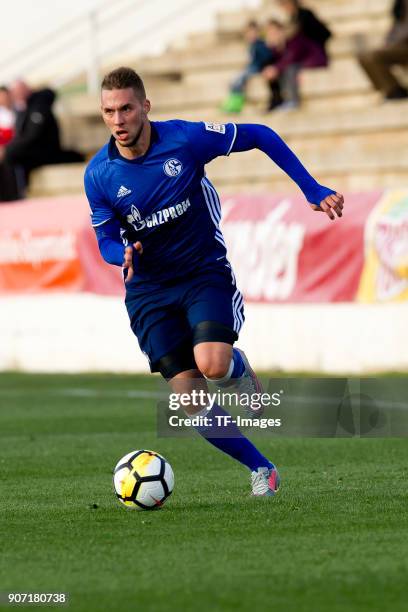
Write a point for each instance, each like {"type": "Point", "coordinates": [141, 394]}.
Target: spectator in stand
{"type": "Point", "coordinates": [378, 63]}
{"type": "Point", "coordinates": [8, 184]}
{"type": "Point", "coordinates": [305, 48]}
{"type": "Point", "coordinates": [260, 55]}
{"type": "Point", "coordinates": [7, 116]}
{"type": "Point", "coordinates": [36, 140]}
{"type": "Point", "coordinates": [276, 41]}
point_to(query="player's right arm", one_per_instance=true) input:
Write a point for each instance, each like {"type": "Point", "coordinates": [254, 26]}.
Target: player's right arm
{"type": "Point", "coordinates": [107, 229]}
{"type": "Point", "coordinates": [103, 219]}
{"type": "Point", "coordinates": [113, 250]}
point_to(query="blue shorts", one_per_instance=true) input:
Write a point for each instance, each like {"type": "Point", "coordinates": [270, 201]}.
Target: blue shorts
{"type": "Point", "coordinates": [163, 317]}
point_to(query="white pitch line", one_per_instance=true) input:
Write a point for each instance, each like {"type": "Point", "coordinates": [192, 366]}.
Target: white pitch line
{"type": "Point", "coordinates": [140, 394]}
{"type": "Point", "coordinates": [145, 394]}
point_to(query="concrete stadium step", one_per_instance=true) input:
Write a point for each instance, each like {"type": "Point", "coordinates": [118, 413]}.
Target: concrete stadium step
{"type": "Point", "coordinates": [197, 40]}
{"type": "Point", "coordinates": [346, 10]}
{"type": "Point", "coordinates": [61, 179]}
{"type": "Point", "coordinates": [346, 102]}
{"type": "Point", "coordinates": [84, 135]}
{"type": "Point", "coordinates": [346, 17]}
{"type": "Point", "coordinates": [165, 66]}
{"type": "Point", "coordinates": [343, 132]}
{"type": "Point", "coordinates": [346, 46]}
{"type": "Point", "coordinates": [87, 131]}
{"type": "Point", "coordinates": [349, 154]}
{"type": "Point", "coordinates": [209, 88]}
{"type": "Point", "coordinates": [224, 47]}
{"type": "Point", "coordinates": [80, 105]}
{"type": "Point", "coordinates": [381, 118]}
{"type": "Point", "coordinates": [234, 54]}
{"type": "Point", "coordinates": [340, 77]}
{"type": "Point", "coordinates": [68, 179]}
{"type": "Point", "coordinates": [356, 182]}
{"type": "Point", "coordinates": [370, 142]}
{"type": "Point", "coordinates": [88, 136]}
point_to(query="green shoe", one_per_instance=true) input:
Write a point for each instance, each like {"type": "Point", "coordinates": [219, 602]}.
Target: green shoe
{"type": "Point", "coordinates": [234, 103]}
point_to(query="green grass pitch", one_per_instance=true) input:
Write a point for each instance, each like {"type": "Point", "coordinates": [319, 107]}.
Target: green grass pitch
{"type": "Point", "coordinates": [335, 538]}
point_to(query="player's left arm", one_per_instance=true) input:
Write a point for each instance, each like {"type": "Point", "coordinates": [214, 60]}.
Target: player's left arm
{"type": "Point", "coordinates": [321, 198]}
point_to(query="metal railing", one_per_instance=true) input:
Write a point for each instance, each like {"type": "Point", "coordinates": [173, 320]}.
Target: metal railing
{"type": "Point", "coordinates": [56, 44]}
{"type": "Point", "coordinates": [92, 38]}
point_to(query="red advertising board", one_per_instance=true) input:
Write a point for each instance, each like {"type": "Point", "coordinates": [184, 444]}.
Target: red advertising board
{"type": "Point", "coordinates": [49, 245]}
{"type": "Point", "coordinates": [283, 251]}
{"type": "Point", "coordinates": [280, 249]}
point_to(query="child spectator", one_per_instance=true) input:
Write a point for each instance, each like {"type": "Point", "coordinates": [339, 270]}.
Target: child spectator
{"type": "Point", "coordinates": [260, 55]}
{"type": "Point", "coordinates": [378, 63]}
{"type": "Point", "coordinates": [276, 41]}
{"type": "Point", "coordinates": [305, 48]}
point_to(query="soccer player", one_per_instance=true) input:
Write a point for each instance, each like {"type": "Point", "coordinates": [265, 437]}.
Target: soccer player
{"type": "Point", "coordinates": [157, 215]}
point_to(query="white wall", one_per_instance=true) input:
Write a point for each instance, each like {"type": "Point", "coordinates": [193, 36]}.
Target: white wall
{"type": "Point", "coordinates": [73, 333]}
{"type": "Point", "coordinates": [33, 23]}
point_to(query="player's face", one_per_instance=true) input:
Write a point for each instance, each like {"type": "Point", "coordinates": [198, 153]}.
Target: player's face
{"type": "Point", "coordinates": [125, 115]}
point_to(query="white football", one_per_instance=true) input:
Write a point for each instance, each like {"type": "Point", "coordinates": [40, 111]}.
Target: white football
{"type": "Point", "coordinates": [143, 479]}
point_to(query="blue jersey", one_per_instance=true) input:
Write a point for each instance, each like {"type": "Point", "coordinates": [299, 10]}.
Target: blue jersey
{"type": "Point", "coordinates": [164, 198]}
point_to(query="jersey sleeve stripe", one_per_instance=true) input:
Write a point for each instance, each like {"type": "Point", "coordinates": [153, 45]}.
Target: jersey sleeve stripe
{"type": "Point", "coordinates": [233, 139]}
{"type": "Point", "coordinates": [102, 222]}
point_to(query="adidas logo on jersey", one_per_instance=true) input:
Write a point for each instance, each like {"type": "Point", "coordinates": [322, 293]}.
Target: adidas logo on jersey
{"type": "Point", "coordinates": [123, 191]}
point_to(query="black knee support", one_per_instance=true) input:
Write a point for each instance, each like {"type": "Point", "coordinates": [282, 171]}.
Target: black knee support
{"type": "Point", "coordinates": [212, 331]}
{"type": "Point", "coordinates": [179, 360]}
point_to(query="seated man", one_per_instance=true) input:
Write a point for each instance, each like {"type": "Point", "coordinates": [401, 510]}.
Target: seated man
{"type": "Point", "coordinates": [36, 140]}
{"type": "Point", "coordinates": [8, 183]}
{"type": "Point", "coordinates": [378, 63]}
{"type": "Point", "coordinates": [6, 116]}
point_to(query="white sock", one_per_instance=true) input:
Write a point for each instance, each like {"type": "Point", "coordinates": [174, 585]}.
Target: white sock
{"type": "Point", "coordinates": [201, 413]}
{"type": "Point", "coordinates": [221, 381]}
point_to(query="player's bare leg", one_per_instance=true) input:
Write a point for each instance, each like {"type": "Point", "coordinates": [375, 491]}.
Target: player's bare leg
{"type": "Point", "coordinates": [222, 432]}
{"type": "Point", "coordinates": [226, 366]}
{"type": "Point", "coordinates": [187, 382]}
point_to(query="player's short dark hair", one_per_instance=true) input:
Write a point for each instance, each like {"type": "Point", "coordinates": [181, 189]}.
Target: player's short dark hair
{"type": "Point", "coordinates": [252, 24]}
{"type": "Point", "coordinates": [4, 89]}
{"type": "Point", "coordinates": [123, 78]}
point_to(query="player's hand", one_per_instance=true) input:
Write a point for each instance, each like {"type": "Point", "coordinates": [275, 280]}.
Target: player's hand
{"type": "Point", "coordinates": [332, 204]}
{"type": "Point", "coordinates": [127, 265]}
